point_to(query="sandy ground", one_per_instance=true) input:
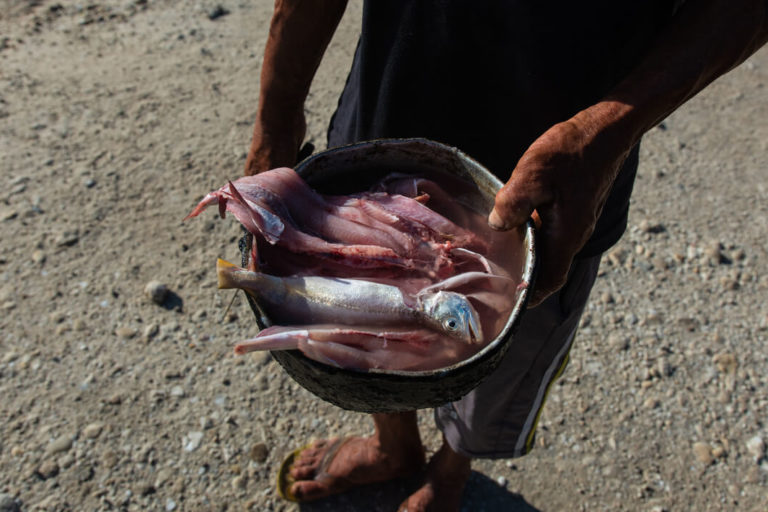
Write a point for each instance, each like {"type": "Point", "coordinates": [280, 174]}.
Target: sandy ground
{"type": "Point", "coordinates": [116, 117]}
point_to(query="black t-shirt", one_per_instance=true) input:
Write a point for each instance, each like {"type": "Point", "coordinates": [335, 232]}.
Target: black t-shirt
{"type": "Point", "coordinates": [489, 77]}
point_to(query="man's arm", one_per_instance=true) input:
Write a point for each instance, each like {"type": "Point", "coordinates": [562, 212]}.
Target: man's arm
{"type": "Point", "coordinates": [567, 173]}
{"type": "Point", "coordinates": [299, 34]}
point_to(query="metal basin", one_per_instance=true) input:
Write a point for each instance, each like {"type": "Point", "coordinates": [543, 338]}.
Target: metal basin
{"type": "Point", "coordinates": [352, 169]}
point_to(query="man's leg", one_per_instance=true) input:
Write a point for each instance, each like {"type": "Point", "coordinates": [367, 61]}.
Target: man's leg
{"type": "Point", "coordinates": [446, 476]}
{"type": "Point", "coordinates": [394, 450]}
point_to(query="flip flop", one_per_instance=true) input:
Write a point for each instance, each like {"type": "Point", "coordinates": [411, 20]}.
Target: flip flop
{"type": "Point", "coordinates": [284, 478]}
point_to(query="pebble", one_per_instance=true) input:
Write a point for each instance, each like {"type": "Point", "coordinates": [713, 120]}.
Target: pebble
{"type": "Point", "coordinates": [38, 256]}
{"type": "Point", "coordinates": [239, 482]}
{"type": "Point", "coordinates": [726, 362]}
{"type": "Point", "coordinates": [618, 341]}
{"type": "Point", "coordinates": [663, 367]}
{"type": "Point", "coordinates": [145, 489]}
{"type": "Point", "coordinates": [151, 331]}
{"type": "Point", "coordinates": [163, 477]}
{"type": "Point", "coordinates": [156, 291]}
{"type": "Point", "coordinates": [501, 481]}
{"type": "Point", "coordinates": [756, 448]}
{"type": "Point", "coordinates": [48, 469]}
{"type": "Point", "coordinates": [193, 441]}
{"type": "Point", "coordinates": [109, 459]}
{"type": "Point", "coordinates": [259, 452]}
{"type": "Point", "coordinates": [59, 445]}
{"type": "Point", "coordinates": [651, 403]}
{"type": "Point", "coordinates": [125, 333]}
{"type": "Point", "coordinates": [178, 392]}
{"type": "Point", "coordinates": [170, 505]}
{"type": "Point", "coordinates": [93, 430]}
{"type": "Point", "coordinates": [703, 453]}
{"type": "Point", "coordinates": [67, 238]}
{"type": "Point", "coordinates": [83, 472]}
{"type": "Point", "coordinates": [8, 214]}
{"type": "Point", "coordinates": [8, 503]}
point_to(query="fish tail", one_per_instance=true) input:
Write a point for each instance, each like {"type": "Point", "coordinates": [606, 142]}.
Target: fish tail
{"type": "Point", "coordinates": [225, 273]}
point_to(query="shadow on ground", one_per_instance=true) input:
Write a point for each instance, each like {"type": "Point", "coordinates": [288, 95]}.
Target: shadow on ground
{"type": "Point", "coordinates": [481, 495]}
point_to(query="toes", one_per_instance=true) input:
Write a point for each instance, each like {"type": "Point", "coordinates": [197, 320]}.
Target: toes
{"type": "Point", "coordinates": [303, 472]}
{"type": "Point", "coordinates": [311, 490]}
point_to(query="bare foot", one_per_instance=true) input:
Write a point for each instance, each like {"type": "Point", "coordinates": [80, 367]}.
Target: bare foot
{"type": "Point", "coordinates": [446, 476]}
{"type": "Point", "coordinates": [333, 466]}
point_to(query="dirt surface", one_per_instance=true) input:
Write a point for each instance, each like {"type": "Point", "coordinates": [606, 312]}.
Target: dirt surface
{"type": "Point", "coordinates": [115, 118]}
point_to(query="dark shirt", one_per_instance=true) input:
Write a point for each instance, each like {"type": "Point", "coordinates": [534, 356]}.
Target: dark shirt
{"type": "Point", "coordinates": [490, 77]}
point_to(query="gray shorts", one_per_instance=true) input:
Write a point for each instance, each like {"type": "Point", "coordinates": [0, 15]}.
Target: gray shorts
{"type": "Point", "coordinates": [498, 418]}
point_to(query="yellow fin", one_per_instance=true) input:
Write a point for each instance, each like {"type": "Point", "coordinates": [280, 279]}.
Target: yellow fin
{"type": "Point", "coordinates": [224, 273]}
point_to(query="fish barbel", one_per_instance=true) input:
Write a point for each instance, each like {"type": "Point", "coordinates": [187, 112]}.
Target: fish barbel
{"type": "Point", "coordinates": [333, 300]}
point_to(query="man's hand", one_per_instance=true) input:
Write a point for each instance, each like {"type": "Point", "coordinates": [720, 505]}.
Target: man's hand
{"type": "Point", "coordinates": [275, 143]}
{"type": "Point", "coordinates": [299, 33]}
{"type": "Point", "coordinates": [566, 174]}
{"type": "Point", "coordinates": [563, 180]}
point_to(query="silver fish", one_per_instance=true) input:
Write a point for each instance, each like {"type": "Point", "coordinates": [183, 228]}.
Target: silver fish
{"type": "Point", "coordinates": [333, 300]}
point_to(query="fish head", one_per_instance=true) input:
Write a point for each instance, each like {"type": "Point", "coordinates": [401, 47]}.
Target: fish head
{"type": "Point", "coordinates": [452, 314]}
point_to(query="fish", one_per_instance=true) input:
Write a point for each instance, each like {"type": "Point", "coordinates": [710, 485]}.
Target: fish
{"type": "Point", "coordinates": [363, 348]}
{"type": "Point", "coordinates": [367, 231]}
{"type": "Point", "coordinates": [306, 300]}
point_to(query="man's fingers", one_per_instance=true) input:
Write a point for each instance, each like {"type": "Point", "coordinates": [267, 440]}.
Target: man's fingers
{"type": "Point", "coordinates": [515, 203]}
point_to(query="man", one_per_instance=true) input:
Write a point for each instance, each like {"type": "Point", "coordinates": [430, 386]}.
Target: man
{"type": "Point", "coordinates": [552, 97]}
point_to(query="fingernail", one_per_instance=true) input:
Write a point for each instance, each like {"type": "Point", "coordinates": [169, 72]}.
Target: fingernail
{"type": "Point", "coordinates": [495, 221]}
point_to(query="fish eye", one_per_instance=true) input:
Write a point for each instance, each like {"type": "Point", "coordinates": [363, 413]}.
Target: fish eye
{"type": "Point", "coordinates": [451, 324]}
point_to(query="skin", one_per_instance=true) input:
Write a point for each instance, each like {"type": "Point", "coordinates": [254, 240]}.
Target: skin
{"type": "Point", "coordinates": [562, 180]}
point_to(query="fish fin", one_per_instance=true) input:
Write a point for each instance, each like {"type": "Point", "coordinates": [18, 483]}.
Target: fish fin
{"type": "Point", "coordinates": [224, 271]}
{"type": "Point", "coordinates": [207, 201]}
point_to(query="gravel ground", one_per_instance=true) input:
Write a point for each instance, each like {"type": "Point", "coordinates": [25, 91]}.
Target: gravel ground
{"type": "Point", "coordinates": [116, 117]}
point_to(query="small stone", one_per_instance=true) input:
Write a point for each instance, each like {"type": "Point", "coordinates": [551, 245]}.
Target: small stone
{"type": "Point", "coordinates": [753, 475]}
{"type": "Point", "coordinates": [125, 333]}
{"type": "Point", "coordinates": [151, 331]}
{"type": "Point", "coordinates": [163, 477]}
{"type": "Point", "coordinates": [756, 448]}
{"type": "Point", "coordinates": [713, 253]}
{"type": "Point", "coordinates": [48, 469]}
{"type": "Point", "coordinates": [703, 453]}
{"type": "Point", "coordinates": [156, 291]}
{"type": "Point", "coordinates": [66, 461]}
{"type": "Point", "coordinates": [93, 430]}
{"type": "Point", "coordinates": [145, 489]}
{"type": "Point", "coordinates": [618, 341]}
{"type": "Point", "coordinates": [170, 505]}
{"type": "Point", "coordinates": [17, 451]}
{"type": "Point", "coordinates": [259, 452]}
{"type": "Point", "coordinates": [8, 503]}
{"type": "Point", "coordinates": [663, 367]}
{"type": "Point", "coordinates": [60, 445]}
{"type": "Point", "coordinates": [83, 472]}
{"type": "Point", "coordinates": [719, 451]}
{"type": "Point", "coordinates": [217, 12]}
{"type": "Point", "coordinates": [8, 214]}
{"type": "Point", "coordinates": [67, 238]}
{"type": "Point", "coordinates": [239, 482]}
{"type": "Point", "coordinates": [178, 392]}
{"type": "Point", "coordinates": [109, 459]}
{"type": "Point", "coordinates": [193, 441]}
{"type": "Point", "coordinates": [115, 399]}
{"type": "Point", "coordinates": [651, 403]}
{"type": "Point", "coordinates": [38, 256]}
{"type": "Point", "coordinates": [726, 362]}
{"type": "Point", "coordinates": [501, 481]}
